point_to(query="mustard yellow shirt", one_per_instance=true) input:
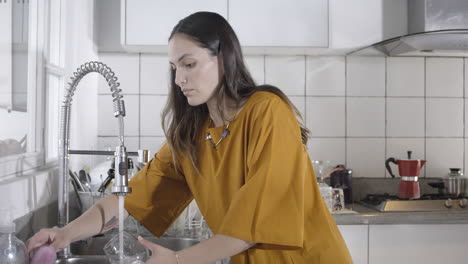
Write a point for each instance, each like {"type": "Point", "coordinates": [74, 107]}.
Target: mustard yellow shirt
{"type": "Point", "coordinates": [257, 185]}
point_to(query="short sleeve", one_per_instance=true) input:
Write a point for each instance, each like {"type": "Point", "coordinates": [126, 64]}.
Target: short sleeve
{"type": "Point", "coordinates": [159, 193]}
{"type": "Point", "coordinates": [269, 208]}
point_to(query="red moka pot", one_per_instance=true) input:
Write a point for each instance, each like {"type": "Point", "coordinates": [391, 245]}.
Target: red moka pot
{"type": "Point", "coordinates": [409, 172]}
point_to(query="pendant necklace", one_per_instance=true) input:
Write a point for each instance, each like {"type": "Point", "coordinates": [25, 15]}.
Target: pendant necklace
{"type": "Point", "coordinates": [223, 136]}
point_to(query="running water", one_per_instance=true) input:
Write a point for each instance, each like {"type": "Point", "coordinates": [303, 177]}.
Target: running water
{"type": "Point", "coordinates": [121, 225]}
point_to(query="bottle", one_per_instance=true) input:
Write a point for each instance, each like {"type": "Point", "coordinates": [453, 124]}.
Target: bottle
{"type": "Point", "coordinates": [327, 194]}
{"type": "Point", "coordinates": [12, 249]}
{"type": "Point", "coordinates": [131, 169]}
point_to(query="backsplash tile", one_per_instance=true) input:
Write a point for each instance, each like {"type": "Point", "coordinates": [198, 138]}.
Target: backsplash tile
{"type": "Point", "coordinates": [365, 117]}
{"type": "Point", "coordinates": [154, 74]}
{"type": "Point", "coordinates": [299, 103]}
{"type": "Point", "coordinates": [365, 76]}
{"type": "Point", "coordinates": [153, 144]}
{"type": "Point", "coordinates": [405, 76]}
{"type": "Point", "coordinates": [151, 107]}
{"type": "Point", "coordinates": [405, 117]}
{"type": "Point", "coordinates": [256, 66]}
{"type": "Point", "coordinates": [325, 76]}
{"type": "Point", "coordinates": [444, 77]}
{"type": "Point", "coordinates": [366, 156]}
{"type": "Point", "coordinates": [360, 110]}
{"type": "Point", "coordinates": [332, 149]}
{"type": "Point", "coordinates": [126, 68]}
{"type": "Point", "coordinates": [444, 117]}
{"type": "Point", "coordinates": [326, 116]}
{"type": "Point", "coordinates": [465, 66]}
{"type": "Point", "coordinates": [442, 154]}
{"type": "Point", "coordinates": [287, 73]}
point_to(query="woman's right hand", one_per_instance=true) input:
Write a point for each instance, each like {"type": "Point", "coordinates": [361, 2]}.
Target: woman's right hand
{"type": "Point", "coordinates": [57, 238]}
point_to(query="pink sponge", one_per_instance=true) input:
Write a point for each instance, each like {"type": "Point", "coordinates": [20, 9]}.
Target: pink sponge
{"type": "Point", "coordinates": [44, 255]}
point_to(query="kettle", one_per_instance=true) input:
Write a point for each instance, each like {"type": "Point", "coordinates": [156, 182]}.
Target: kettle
{"type": "Point", "coordinates": [409, 172]}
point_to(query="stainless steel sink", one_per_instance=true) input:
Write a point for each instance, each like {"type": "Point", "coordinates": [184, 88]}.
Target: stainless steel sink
{"type": "Point", "coordinates": [95, 245]}
{"type": "Point", "coordinates": [91, 251]}
{"type": "Point", "coordinates": [84, 260]}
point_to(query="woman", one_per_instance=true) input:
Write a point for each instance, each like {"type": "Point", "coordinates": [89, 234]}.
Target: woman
{"type": "Point", "coordinates": [235, 147]}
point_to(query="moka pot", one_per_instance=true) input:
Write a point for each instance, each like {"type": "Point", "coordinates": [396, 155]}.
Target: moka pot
{"type": "Point", "coordinates": [409, 172]}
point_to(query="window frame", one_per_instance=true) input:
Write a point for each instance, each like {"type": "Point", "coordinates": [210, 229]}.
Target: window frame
{"type": "Point", "coordinates": [39, 68]}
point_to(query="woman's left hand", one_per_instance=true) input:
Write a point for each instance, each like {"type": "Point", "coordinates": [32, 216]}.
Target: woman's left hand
{"type": "Point", "coordinates": [159, 254]}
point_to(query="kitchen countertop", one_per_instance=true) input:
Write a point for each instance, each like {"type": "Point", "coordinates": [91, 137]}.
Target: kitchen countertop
{"type": "Point", "coordinates": [367, 216]}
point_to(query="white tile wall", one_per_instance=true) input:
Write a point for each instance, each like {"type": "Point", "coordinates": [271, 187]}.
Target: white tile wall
{"type": "Point", "coordinates": [405, 117]}
{"type": "Point", "coordinates": [365, 76]}
{"type": "Point", "coordinates": [151, 107]}
{"type": "Point", "coordinates": [256, 66]}
{"type": "Point", "coordinates": [444, 117]}
{"type": "Point", "coordinates": [365, 117]}
{"type": "Point", "coordinates": [154, 74]}
{"type": "Point", "coordinates": [127, 70]}
{"type": "Point", "coordinates": [360, 110]}
{"type": "Point", "coordinates": [366, 156]}
{"type": "Point", "coordinates": [405, 76]}
{"type": "Point", "coordinates": [465, 78]}
{"type": "Point", "coordinates": [442, 154]}
{"type": "Point", "coordinates": [444, 77]}
{"type": "Point", "coordinates": [300, 104]}
{"type": "Point", "coordinates": [287, 73]}
{"type": "Point", "coordinates": [332, 149]}
{"type": "Point", "coordinates": [153, 144]}
{"type": "Point", "coordinates": [326, 116]}
{"type": "Point", "coordinates": [325, 76]}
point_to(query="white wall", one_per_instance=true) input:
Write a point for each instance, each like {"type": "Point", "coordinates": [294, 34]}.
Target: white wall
{"type": "Point", "coordinates": [81, 48]}
{"type": "Point", "coordinates": [361, 110]}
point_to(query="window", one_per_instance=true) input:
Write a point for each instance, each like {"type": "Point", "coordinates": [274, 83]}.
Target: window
{"type": "Point", "coordinates": [21, 93]}
{"type": "Point", "coordinates": [54, 74]}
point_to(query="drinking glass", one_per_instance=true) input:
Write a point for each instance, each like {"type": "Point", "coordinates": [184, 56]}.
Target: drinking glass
{"type": "Point", "coordinates": [133, 251]}
{"type": "Point", "coordinates": [338, 203]}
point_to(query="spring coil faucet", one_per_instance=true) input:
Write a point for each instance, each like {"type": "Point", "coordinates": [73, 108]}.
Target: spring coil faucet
{"type": "Point", "coordinates": [120, 186]}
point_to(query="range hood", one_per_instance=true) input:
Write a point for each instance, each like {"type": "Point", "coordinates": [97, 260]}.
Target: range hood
{"type": "Point", "coordinates": [435, 27]}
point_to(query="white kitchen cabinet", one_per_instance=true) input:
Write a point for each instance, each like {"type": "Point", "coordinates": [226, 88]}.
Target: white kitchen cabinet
{"type": "Point", "coordinates": [359, 23]}
{"type": "Point", "coordinates": [277, 23]}
{"type": "Point", "coordinates": [150, 22]}
{"type": "Point", "coordinates": [418, 244]}
{"type": "Point", "coordinates": [356, 238]}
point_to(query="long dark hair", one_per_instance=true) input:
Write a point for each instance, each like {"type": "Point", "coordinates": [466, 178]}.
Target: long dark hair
{"type": "Point", "coordinates": [182, 122]}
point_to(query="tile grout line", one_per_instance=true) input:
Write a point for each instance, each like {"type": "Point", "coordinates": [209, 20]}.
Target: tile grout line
{"type": "Point", "coordinates": [425, 116]}
{"type": "Point", "coordinates": [346, 111]}
{"type": "Point", "coordinates": [385, 114]}
{"type": "Point", "coordinates": [139, 101]}
{"type": "Point", "coordinates": [305, 92]}
{"type": "Point", "coordinates": [464, 114]}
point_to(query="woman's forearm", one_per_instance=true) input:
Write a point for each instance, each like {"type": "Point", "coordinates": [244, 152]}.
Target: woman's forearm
{"type": "Point", "coordinates": [101, 217]}
{"type": "Point", "coordinates": [215, 248]}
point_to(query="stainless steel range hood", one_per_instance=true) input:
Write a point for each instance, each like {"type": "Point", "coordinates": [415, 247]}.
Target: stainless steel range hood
{"type": "Point", "coordinates": [435, 27]}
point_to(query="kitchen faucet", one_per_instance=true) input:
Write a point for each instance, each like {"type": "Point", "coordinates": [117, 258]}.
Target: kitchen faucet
{"type": "Point", "coordinates": [120, 186]}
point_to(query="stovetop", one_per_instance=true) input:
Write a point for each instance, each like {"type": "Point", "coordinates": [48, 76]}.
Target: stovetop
{"type": "Point", "coordinates": [428, 202]}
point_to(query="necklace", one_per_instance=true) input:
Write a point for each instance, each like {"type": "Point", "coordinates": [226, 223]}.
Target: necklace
{"type": "Point", "coordinates": [223, 136]}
